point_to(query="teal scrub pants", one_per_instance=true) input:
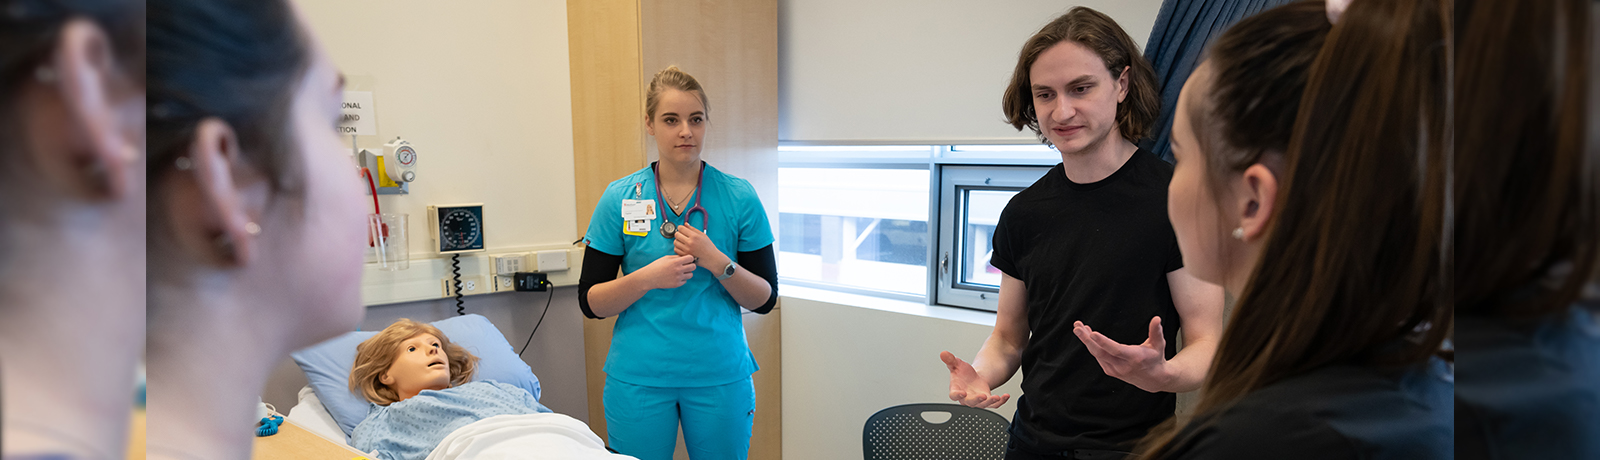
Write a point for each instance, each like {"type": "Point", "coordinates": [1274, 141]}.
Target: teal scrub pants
{"type": "Point", "coordinates": [643, 421]}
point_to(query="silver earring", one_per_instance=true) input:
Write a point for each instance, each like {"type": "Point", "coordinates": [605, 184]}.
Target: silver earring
{"type": "Point", "coordinates": [183, 164]}
{"type": "Point", "coordinates": [252, 228]}
{"type": "Point", "coordinates": [44, 75]}
{"type": "Point", "coordinates": [1238, 233]}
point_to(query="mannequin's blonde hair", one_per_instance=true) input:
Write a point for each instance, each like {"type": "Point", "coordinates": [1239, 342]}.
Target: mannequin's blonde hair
{"type": "Point", "coordinates": [375, 355]}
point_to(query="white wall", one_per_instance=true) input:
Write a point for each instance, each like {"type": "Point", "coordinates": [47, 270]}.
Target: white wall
{"type": "Point", "coordinates": [914, 71]}
{"type": "Point", "coordinates": [843, 363]}
{"type": "Point", "coordinates": [482, 90]}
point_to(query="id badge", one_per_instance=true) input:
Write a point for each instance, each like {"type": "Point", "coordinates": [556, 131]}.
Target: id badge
{"type": "Point", "coordinates": [639, 227]}
{"type": "Point", "coordinates": [633, 210]}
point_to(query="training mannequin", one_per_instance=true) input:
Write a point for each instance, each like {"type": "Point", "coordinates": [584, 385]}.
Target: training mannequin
{"type": "Point", "coordinates": [406, 358]}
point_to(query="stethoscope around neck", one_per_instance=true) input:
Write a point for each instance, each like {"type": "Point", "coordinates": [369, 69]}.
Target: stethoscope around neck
{"type": "Point", "coordinates": [669, 230]}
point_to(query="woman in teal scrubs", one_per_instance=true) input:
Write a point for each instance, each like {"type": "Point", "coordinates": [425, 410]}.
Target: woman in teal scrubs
{"type": "Point", "coordinates": [695, 250]}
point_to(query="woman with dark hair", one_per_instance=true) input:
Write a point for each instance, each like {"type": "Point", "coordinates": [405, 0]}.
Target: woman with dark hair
{"type": "Point", "coordinates": [1310, 182]}
{"type": "Point", "coordinates": [1527, 230]}
{"type": "Point", "coordinates": [72, 216]}
{"type": "Point", "coordinates": [256, 229]}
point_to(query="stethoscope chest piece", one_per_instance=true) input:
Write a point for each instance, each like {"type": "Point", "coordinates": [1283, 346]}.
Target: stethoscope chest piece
{"type": "Point", "coordinates": [669, 230]}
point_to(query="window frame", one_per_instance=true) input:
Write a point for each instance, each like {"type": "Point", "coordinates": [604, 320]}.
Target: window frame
{"type": "Point", "coordinates": [1015, 165]}
{"type": "Point", "coordinates": [954, 182]}
{"type": "Point", "coordinates": [810, 162]}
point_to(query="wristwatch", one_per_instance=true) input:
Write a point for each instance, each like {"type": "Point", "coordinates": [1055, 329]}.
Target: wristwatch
{"type": "Point", "coordinates": [727, 272]}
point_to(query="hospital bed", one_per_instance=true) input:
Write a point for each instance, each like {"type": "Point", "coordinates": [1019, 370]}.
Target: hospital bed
{"type": "Point", "coordinates": [302, 439]}
{"type": "Point", "coordinates": [326, 410]}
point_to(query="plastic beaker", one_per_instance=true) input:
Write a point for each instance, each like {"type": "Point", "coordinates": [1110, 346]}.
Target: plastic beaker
{"type": "Point", "coordinates": [386, 235]}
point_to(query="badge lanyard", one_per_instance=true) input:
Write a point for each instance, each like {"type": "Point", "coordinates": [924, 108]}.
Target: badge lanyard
{"type": "Point", "coordinates": [669, 230]}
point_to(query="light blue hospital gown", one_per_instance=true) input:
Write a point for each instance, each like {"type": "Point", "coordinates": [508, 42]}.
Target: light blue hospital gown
{"type": "Point", "coordinates": [410, 429]}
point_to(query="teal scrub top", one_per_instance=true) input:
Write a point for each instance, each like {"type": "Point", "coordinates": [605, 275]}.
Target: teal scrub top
{"type": "Point", "coordinates": [693, 335]}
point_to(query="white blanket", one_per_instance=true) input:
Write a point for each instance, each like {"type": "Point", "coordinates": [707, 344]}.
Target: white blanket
{"type": "Point", "coordinates": [523, 437]}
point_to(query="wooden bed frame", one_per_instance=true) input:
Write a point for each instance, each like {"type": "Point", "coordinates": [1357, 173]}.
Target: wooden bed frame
{"type": "Point", "coordinates": [294, 442]}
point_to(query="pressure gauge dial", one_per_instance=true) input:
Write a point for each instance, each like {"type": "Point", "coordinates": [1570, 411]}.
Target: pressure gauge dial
{"type": "Point", "coordinates": [458, 228]}
{"type": "Point", "coordinates": [400, 160]}
{"type": "Point", "coordinates": [406, 156]}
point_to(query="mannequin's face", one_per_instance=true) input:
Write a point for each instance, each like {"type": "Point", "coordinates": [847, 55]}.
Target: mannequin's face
{"type": "Point", "coordinates": [421, 364]}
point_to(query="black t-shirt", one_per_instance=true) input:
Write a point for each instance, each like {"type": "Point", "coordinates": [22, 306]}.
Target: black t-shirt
{"type": "Point", "coordinates": [1336, 412]}
{"type": "Point", "coordinates": [1097, 253]}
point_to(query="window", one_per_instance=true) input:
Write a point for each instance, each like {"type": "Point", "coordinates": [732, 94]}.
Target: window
{"type": "Point", "coordinates": [982, 212]}
{"type": "Point", "coordinates": [871, 219]}
{"type": "Point", "coordinates": [970, 201]}
{"type": "Point", "coordinates": [857, 227]}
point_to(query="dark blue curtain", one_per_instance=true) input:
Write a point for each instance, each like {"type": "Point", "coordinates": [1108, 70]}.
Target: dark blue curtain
{"type": "Point", "coordinates": [1183, 30]}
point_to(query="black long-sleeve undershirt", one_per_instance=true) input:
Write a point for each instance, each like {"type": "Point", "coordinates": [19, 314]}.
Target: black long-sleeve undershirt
{"type": "Point", "coordinates": [600, 267]}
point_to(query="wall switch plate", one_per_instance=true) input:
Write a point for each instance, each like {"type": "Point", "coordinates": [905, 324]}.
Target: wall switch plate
{"type": "Point", "coordinates": [552, 261]}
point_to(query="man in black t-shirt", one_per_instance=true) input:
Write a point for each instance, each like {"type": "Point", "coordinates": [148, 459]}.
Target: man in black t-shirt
{"type": "Point", "coordinates": [1089, 259]}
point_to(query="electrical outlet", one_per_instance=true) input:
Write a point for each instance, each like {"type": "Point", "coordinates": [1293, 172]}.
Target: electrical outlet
{"type": "Point", "coordinates": [469, 285]}
{"type": "Point", "coordinates": [504, 283]}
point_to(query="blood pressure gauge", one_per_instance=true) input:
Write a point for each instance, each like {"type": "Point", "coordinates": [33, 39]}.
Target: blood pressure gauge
{"type": "Point", "coordinates": [400, 160]}
{"type": "Point", "coordinates": [457, 228]}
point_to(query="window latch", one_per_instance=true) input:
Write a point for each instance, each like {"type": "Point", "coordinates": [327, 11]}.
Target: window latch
{"type": "Point", "coordinates": [944, 263]}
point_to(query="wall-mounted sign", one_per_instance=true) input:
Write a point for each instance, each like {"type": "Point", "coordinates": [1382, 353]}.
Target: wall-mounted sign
{"type": "Point", "coordinates": [359, 118]}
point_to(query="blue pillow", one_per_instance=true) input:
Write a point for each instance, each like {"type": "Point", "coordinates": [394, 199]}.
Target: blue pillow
{"type": "Point", "coordinates": [327, 365]}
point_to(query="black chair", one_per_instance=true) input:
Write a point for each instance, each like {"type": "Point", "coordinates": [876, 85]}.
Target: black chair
{"type": "Point", "coordinates": [901, 433]}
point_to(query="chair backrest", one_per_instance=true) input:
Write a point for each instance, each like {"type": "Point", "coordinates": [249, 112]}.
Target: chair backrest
{"type": "Point", "coordinates": [901, 433]}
